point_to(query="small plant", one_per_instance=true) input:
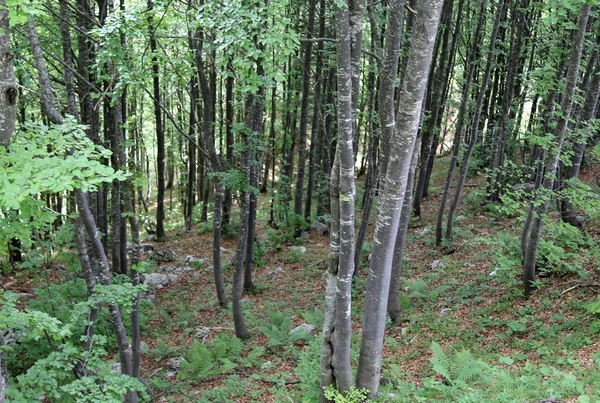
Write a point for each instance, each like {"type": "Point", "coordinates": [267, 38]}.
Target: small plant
{"type": "Point", "coordinates": [594, 309]}
{"type": "Point", "coordinates": [455, 366]}
{"type": "Point", "coordinates": [353, 395]}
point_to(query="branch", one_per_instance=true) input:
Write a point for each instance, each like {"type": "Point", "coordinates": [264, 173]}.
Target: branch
{"type": "Point", "coordinates": [410, 10]}
{"type": "Point", "coordinates": [373, 55]}
{"type": "Point", "coordinates": [317, 40]}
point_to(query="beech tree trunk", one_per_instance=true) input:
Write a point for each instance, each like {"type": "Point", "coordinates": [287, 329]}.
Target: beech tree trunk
{"type": "Point", "coordinates": [337, 327]}
{"type": "Point", "coordinates": [475, 125]}
{"type": "Point", "coordinates": [304, 109]}
{"type": "Point", "coordinates": [535, 233]}
{"type": "Point", "coordinates": [8, 83]}
{"type": "Point", "coordinates": [389, 209]}
{"type": "Point", "coordinates": [160, 134]}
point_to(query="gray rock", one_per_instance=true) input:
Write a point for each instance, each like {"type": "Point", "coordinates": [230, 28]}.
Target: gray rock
{"type": "Point", "coordinates": [437, 264]}
{"type": "Point", "coordinates": [276, 271]}
{"type": "Point", "coordinates": [182, 270]}
{"type": "Point", "coordinates": [304, 328]}
{"type": "Point", "coordinates": [115, 368]}
{"type": "Point", "coordinates": [300, 249]}
{"type": "Point", "coordinates": [146, 247]}
{"type": "Point", "coordinates": [469, 265]}
{"type": "Point", "coordinates": [158, 280]}
{"type": "Point", "coordinates": [319, 228]}
{"type": "Point", "coordinates": [194, 262]}
{"type": "Point", "coordinates": [202, 332]}
{"type": "Point", "coordinates": [304, 236]}
{"type": "Point", "coordinates": [175, 363]}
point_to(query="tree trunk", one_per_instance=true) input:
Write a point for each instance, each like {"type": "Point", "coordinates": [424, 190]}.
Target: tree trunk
{"type": "Point", "coordinates": [160, 134]}
{"type": "Point", "coordinates": [306, 68]}
{"type": "Point", "coordinates": [530, 257]}
{"type": "Point", "coordinates": [337, 328]}
{"type": "Point", "coordinates": [461, 120]}
{"type": "Point", "coordinates": [475, 126]}
{"type": "Point", "coordinates": [391, 200]}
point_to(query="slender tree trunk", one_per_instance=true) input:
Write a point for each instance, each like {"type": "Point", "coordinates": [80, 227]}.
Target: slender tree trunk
{"type": "Point", "coordinates": [306, 68]}
{"type": "Point", "coordinates": [337, 327]}
{"type": "Point", "coordinates": [568, 213]}
{"type": "Point", "coordinates": [475, 126]}
{"type": "Point", "coordinates": [438, 96]}
{"type": "Point", "coordinates": [461, 120]}
{"type": "Point", "coordinates": [316, 120]}
{"type": "Point", "coordinates": [389, 209]}
{"type": "Point", "coordinates": [228, 201]}
{"type": "Point", "coordinates": [160, 134]}
{"type": "Point", "coordinates": [9, 94]}
{"type": "Point", "coordinates": [394, 309]}
{"type": "Point", "coordinates": [535, 232]}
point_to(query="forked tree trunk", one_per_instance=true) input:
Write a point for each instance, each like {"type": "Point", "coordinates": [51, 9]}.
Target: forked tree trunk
{"type": "Point", "coordinates": [337, 327]}
{"type": "Point", "coordinates": [408, 117]}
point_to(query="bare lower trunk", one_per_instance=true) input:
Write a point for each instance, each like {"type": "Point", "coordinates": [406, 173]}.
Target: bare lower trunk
{"type": "Point", "coordinates": [391, 200]}
{"type": "Point", "coordinates": [394, 309]}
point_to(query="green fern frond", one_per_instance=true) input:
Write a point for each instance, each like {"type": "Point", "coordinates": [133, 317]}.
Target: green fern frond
{"type": "Point", "coordinates": [440, 361]}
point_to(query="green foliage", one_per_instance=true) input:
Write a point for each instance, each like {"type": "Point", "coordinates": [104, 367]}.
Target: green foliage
{"type": "Point", "coordinates": [222, 355]}
{"type": "Point", "coordinates": [219, 357]}
{"type": "Point", "coordinates": [278, 330]}
{"type": "Point", "coordinates": [353, 395]}
{"type": "Point", "coordinates": [593, 308]}
{"type": "Point", "coordinates": [44, 159]}
{"type": "Point", "coordinates": [455, 366]}
{"type": "Point", "coordinates": [314, 318]}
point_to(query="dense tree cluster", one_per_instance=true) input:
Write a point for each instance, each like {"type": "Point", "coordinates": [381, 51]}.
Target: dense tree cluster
{"type": "Point", "coordinates": [210, 108]}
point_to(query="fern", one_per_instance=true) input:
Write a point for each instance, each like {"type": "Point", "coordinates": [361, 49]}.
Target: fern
{"type": "Point", "coordinates": [440, 361]}
{"type": "Point", "coordinates": [455, 366]}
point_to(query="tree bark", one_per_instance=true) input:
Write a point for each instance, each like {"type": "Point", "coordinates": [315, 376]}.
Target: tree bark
{"type": "Point", "coordinates": [9, 95]}
{"type": "Point", "coordinates": [160, 134]}
{"type": "Point", "coordinates": [306, 68]}
{"type": "Point", "coordinates": [337, 328]}
{"type": "Point", "coordinates": [391, 200]}
{"type": "Point", "coordinates": [535, 232]}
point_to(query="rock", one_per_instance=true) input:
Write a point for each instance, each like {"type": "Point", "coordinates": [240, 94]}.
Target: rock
{"type": "Point", "coordinates": [298, 249]}
{"type": "Point", "coordinates": [194, 262]}
{"type": "Point", "coordinates": [182, 270]}
{"type": "Point", "coordinates": [145, 247]}
{"type": "Point", "coordinates": [404, 331]}
{"type": "Point", "coordinates": [303, 328]}
{"type": "Point", "coordinates": [437, 264]}
{"type": "Point", "coordinates": [174, 366]}
{"type": "Point", "coordinates": [202, 332]}
{"type": "Point", "coordinates": [175, 363]}
{"type": "Point", "coordinates": [149, 295]}
{"type": "Point", "coordinates": [158, 280]}
{"type": "Point", "coordinates": [115, 368]}
{"type": "Point", "coordinates": [304, 236]}
{"type": "Point", "coordinates": [469, 265]}
{"type": "Point", "coordinates": [165, 254]}
{"type": "Point", "coordinates": [276, 271]}
{"type": "Point", "coordinates": [444, 311]}
{"type": "Point", "coordinates": [150, 238]}
{"type": "Point", "coordinates": [319, 228]}
{"type": "Point", "coordinates": [223, 250]}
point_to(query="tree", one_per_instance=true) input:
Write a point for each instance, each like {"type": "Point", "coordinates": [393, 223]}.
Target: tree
{"type": "Point", "coordinates": [408, 117]}
{"type": "Point", "coordinates": [532, 230]}
{"type": "Point", "coordinates": [8, 86]}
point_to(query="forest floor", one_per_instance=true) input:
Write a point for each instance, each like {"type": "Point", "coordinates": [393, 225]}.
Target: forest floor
{"type": "Point", "coordinates": [463, 296]}
{"type": "Point", "coordinates": [496, 345]}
